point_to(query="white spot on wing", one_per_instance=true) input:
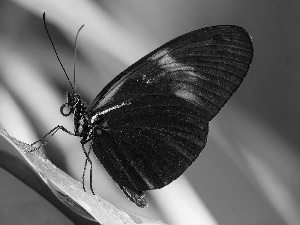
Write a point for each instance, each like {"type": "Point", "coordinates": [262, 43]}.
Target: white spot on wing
{"type": "Point", "coordinates": [166, 61]}
{"type": "Point", "coordinates": [186, 95]}
{"type": "Point", "coordinates": [160, 54]}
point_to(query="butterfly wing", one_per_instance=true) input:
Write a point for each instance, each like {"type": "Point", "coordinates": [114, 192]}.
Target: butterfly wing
{"type": "Point", "coordinates": [152, 119]}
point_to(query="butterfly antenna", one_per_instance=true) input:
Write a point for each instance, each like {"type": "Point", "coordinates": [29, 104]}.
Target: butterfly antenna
{"type": "Point", "coordinates": [44, 20]}
{"type": "Point", "coordinates": [75, 54]}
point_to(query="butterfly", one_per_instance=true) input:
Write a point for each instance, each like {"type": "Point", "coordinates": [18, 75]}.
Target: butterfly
{"type": "Point", "coordinates": [150, 123]}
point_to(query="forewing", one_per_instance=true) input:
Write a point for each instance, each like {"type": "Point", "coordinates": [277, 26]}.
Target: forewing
{"type": "Point", "coordinates": [153, 118]}
{"type": "Point", "coordinates": [205, 67]}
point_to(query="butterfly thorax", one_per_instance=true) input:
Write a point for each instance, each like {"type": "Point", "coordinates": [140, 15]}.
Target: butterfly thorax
{"type": "Point", "coordinates": [77, 106]}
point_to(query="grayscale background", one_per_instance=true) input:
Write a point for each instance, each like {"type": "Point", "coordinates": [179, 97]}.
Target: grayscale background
{"type": "Point", "coordinates": [249, 171]}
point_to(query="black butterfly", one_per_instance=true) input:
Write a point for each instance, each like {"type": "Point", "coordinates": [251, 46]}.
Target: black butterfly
{"type": "Point", "coordinates": [150, 123]}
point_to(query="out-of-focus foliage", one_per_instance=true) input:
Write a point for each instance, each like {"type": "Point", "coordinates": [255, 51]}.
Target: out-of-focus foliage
{"type": "Point", "coordinates": [247, 174]}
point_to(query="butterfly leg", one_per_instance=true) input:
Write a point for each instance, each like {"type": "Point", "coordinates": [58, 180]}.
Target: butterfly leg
{"type": "Point", "coordinates": [83, 174]}
{"type": "Point", "coordinates": [51, 133]}
{"type": "Point", "coordinates": [87, 155]}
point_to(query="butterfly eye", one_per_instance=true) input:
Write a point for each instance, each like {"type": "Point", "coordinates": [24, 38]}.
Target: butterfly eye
{"type": "Point", "coordinates": [71, 99]}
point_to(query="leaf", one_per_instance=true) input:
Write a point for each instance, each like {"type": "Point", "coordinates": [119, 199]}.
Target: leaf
{"type": "Point", "coordinates": [35, 170]}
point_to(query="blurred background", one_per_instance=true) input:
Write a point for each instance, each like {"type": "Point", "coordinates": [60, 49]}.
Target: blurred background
{"type": "Point", "coordinates": [249, 171]}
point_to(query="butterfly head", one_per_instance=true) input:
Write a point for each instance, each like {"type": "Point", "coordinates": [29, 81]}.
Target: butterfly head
{"type": "Point", "coordinates": [74, 103]}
